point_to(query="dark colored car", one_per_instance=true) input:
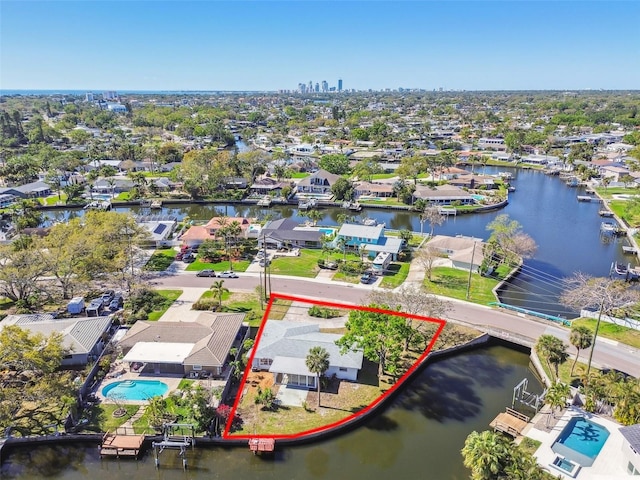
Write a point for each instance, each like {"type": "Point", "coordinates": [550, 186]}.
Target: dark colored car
{"type": "Point", "coordinates": [107, 296]}
{"type": "Point", "coordinates": [116, 303]}
{"type": "Point", "coordinates": [189, 258]}
{"type": "Point", "coordinates": [206, 273]}
{"type": "Point", "coordinates": [367, 278]}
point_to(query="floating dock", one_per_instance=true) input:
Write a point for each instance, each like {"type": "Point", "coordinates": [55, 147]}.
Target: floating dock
{"type": "Point", "coordinates": [267, 445]}
{"type": "Point", "coordinates": [114, 445]}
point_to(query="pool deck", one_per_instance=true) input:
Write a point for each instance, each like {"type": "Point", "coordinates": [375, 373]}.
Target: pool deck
{"type": "Point", "coordinates": [608, 465]}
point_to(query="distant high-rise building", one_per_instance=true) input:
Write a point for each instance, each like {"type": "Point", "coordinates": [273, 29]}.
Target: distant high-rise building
{"type": "Point", "coordinates": [310, 86]}
{"type": "Point", "coordinates": [110, 95]}
{"type": "Point", "coordinates": [325, 86]}
{"type": "Point", "coordinates": [317, 87]}
{"type": "Point", "coordinates": [89, 97]}
{"type": "Point", "coordinates": [340, 85]}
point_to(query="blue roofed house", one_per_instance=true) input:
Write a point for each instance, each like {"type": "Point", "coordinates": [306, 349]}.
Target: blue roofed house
{"type": "Point", "coordinates": [283, 348]}
{"type": "Point", "coordinates": [370, 238]}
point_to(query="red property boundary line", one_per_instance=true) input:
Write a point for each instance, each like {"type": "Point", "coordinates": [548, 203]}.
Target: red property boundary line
{"type": "Point", "coordinates": [277, 296]}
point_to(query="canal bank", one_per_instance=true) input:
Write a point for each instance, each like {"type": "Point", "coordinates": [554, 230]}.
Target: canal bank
{"type": "Point", "coordinates": [418, 435]}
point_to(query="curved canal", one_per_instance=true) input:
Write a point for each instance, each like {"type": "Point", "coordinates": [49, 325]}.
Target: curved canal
{"type": "Point", "coordinates": [566, 231]}
{"type": "Point", "coordinates": [419, 436]}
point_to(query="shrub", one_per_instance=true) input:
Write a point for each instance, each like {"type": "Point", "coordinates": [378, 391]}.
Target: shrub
{"type": "Point", "coordinates": [206, 304]}
{"type": "Point", "coordinates": [323, 312]}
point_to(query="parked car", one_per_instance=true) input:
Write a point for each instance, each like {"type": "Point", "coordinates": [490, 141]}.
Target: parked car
{"type": "Point", "coordinates": [189, 258]}
{"type": "Point", "coordinates": [367, 278]}
{"type": "Point", "coordinates": [116, 303]}
{"type": "Point", "coordinates": [206, 273]}
{"type": "Point", "coordinates": [228, 274]}
{"type": "Point", "coordinates": [107, 296]}
{"type": "Point", "coordinates": [265, 262]}
{"type": "Point", "coordinates": [180, 256]}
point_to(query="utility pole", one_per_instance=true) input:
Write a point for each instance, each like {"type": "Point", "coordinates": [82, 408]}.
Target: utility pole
{"type": "Point", "coordinates": [595, 336]}
{"type": "Point", "coordinates": [473, 252]}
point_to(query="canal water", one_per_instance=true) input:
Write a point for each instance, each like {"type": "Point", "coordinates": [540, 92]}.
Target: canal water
{"type": "Point", "coordinates": [419, 436]}
{"type": "Point", "coordinates": [566, 231]}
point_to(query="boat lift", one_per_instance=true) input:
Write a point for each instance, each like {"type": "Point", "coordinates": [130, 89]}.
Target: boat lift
{"type": "Point", "coordinates": [175, 442]}
{"type": "Point", "coordinates": [521, 395]}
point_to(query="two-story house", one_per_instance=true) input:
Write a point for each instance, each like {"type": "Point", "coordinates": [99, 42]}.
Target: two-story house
{"type": "Point", "coordinates": [319, 182]}
{"type": "Point", "coordinates": [370, 238]}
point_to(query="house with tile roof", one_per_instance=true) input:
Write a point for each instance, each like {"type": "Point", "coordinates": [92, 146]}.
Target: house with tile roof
{"type": "Point", "coordinates": [83, 338]}
{"type": "Point", "coordinates": [184, 347]}
{"type": "Point", "coordinates": [283, 348]}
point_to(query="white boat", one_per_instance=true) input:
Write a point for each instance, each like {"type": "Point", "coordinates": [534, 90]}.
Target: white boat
{"type": "Point", "coordinates": [608, 227]}
{"type": "Point", "coordinates": [307, 204]}
{"type": "Point", "coordinates": [156, 204]}
{"type": "Point", "coordinates": [605, 213]}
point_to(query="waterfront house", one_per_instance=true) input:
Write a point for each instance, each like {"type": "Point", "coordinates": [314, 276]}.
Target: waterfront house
{"type": "Point", "coordinates": [373, 190]}
{"type": "Point", "coordinates": [268, 186]}
{"type": "Point", "coordinates": [37, 189]}
{"type": "Point", "coordinates": [443, 195]}
{"type": "Point", "coordinates": [184, 347]}
{"type": "Point", "coordinates": [112, 185]}
{"type": "Point", "coordinates": [197, 234]}
{"type": "Point", "coordinates": [464, 252]}
{"type": "Point", "coordinates": [159, 230]}
{"type": "Point", "coordinates": [370, 238]}
{"type": "Point", "coordinates": [486, 143]}
{"type": "Point", "coordinates": [287, 233]}
{"type": "Point", "coordinates": [319, 182]}
{"type": "Point", "coordinates": [613, 172]}
{"type": "Point", "coordinates": [283, 348]}
{"type": "Point", "coordinates": [83, 338]}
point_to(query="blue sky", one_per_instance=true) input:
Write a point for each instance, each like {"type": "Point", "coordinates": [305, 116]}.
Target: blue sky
{"type": "Point", "coordinates": [268, 45]}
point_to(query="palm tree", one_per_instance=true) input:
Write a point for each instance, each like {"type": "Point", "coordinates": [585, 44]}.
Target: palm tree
{"type": "Point", "coordinates": [315, 216]}
{"type": "Point", "coordinates": [556, 397]}
{"type": "Point", "coordinates": [486, 454]}
{"type": "Point", "coordinates": [580, 337]}
{"type": "Point", "coordinates": [219, 289]}
{"type": "Point", "coordinates": [317, 362]}
{"type": "Point", "coordinates": [341, 243]}
{"type": "Point", "coordinates": [553, 350]}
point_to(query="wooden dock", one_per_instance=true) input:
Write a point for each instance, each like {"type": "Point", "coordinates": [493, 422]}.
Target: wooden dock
{"type": "Point", "coordinates": [262, 445]}
{"type": "Point", "coordinates": [114, 445]}
{"type": "Point", "coordinates": [510, 422]}
{"type": "Point", "coordinates": [626, 249]}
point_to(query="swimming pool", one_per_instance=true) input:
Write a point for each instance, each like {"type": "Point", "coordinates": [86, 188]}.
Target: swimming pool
{"type": "Point", "coordinates": [327, 231]}
{"type": "Point", "coordinates": [581, 441]}
{"type": "Point", "coordinates": [135, 389]}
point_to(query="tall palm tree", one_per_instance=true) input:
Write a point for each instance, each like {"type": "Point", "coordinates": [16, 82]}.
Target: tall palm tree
{"type": "Point", "coordinates": [580, 337]}
{"type": "Point", "coordinates": [219, 290]}
{"type": "Point", "coordinates": [317, 362]}
{"type": "Point", "coordinates": [486, 454]}
{"type": "Point", "coordinates": [554, 352]}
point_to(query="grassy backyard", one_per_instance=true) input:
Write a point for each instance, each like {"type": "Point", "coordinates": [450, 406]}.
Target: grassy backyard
{"type": "Point", "coordinates": [395, 275]}
{"type": "Point", "coordinates": [101, 417]}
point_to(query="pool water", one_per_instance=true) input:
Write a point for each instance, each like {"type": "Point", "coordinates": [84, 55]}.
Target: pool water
{"type": "Point", "coordinates": [135, 389]}
{"type": "Point", "coordinates": [581, 441]}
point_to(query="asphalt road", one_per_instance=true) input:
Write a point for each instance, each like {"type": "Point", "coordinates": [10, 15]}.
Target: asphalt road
{"type": "Point", "coordinates": [607, 353]}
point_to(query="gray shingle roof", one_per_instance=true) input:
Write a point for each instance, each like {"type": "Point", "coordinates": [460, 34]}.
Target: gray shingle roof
{"type": "Point", "coordinates": [360, 231]}
{"type": "Point", "coordinates": [295, 339]}
{"type": "Point", "coordinates": [632, 435]}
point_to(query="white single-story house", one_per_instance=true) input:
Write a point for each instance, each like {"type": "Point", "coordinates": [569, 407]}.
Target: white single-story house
{"type": "Point", "coordinates": [283, 348]}
{"type": "Point", "coordinates": [443, 195]}
{"type": "Point", "coordinates": [464, 252]}
{"type": "Point", "coordinates": [85, 337]}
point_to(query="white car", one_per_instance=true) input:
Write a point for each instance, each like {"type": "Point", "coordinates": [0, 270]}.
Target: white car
{"type": "Point", "coordinates": [228, 274]}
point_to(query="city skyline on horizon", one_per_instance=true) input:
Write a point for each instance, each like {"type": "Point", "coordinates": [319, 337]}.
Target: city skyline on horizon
{"type": "Point", "coordinates": [377, 46]}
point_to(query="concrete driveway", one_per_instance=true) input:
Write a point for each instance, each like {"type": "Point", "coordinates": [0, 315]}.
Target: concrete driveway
{"type": "Point", "coordinates": [180, 310]}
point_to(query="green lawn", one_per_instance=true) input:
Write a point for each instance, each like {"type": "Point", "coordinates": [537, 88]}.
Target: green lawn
{"type": "Point", "coordinates": [179, 411]}
{"type": "Point", "coordinates": [161, 260]}
{"type": "Point", "coordinates": [452, 282]}
{"type": "Point", "coordinates": [101, 417]}
{"type": "Point", "coordinates": [299, 175]}
{"type": "Point", "coordinates": [342, 277]}
{"type": "Point", "coordinates": [608, 192]}
{"type": "Point", "coordinates": [123, 197]}
{"type": "Point", "coordinates": [625, 335]}
{"type": "Point", "coordinates": [306, 265]}
{"type": "Point", "coordinates": [54, 200]}
{"type": "Point", "coordinates": [395, 275]}
{"type": "Point", "coordinates": [238, 266]}
{"type": "Point", "coordinates": [383, 176]}
{"type": "Point", "coordinates": [170, 297]}
{"type": "Point", "coordinates": [384, 201]}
